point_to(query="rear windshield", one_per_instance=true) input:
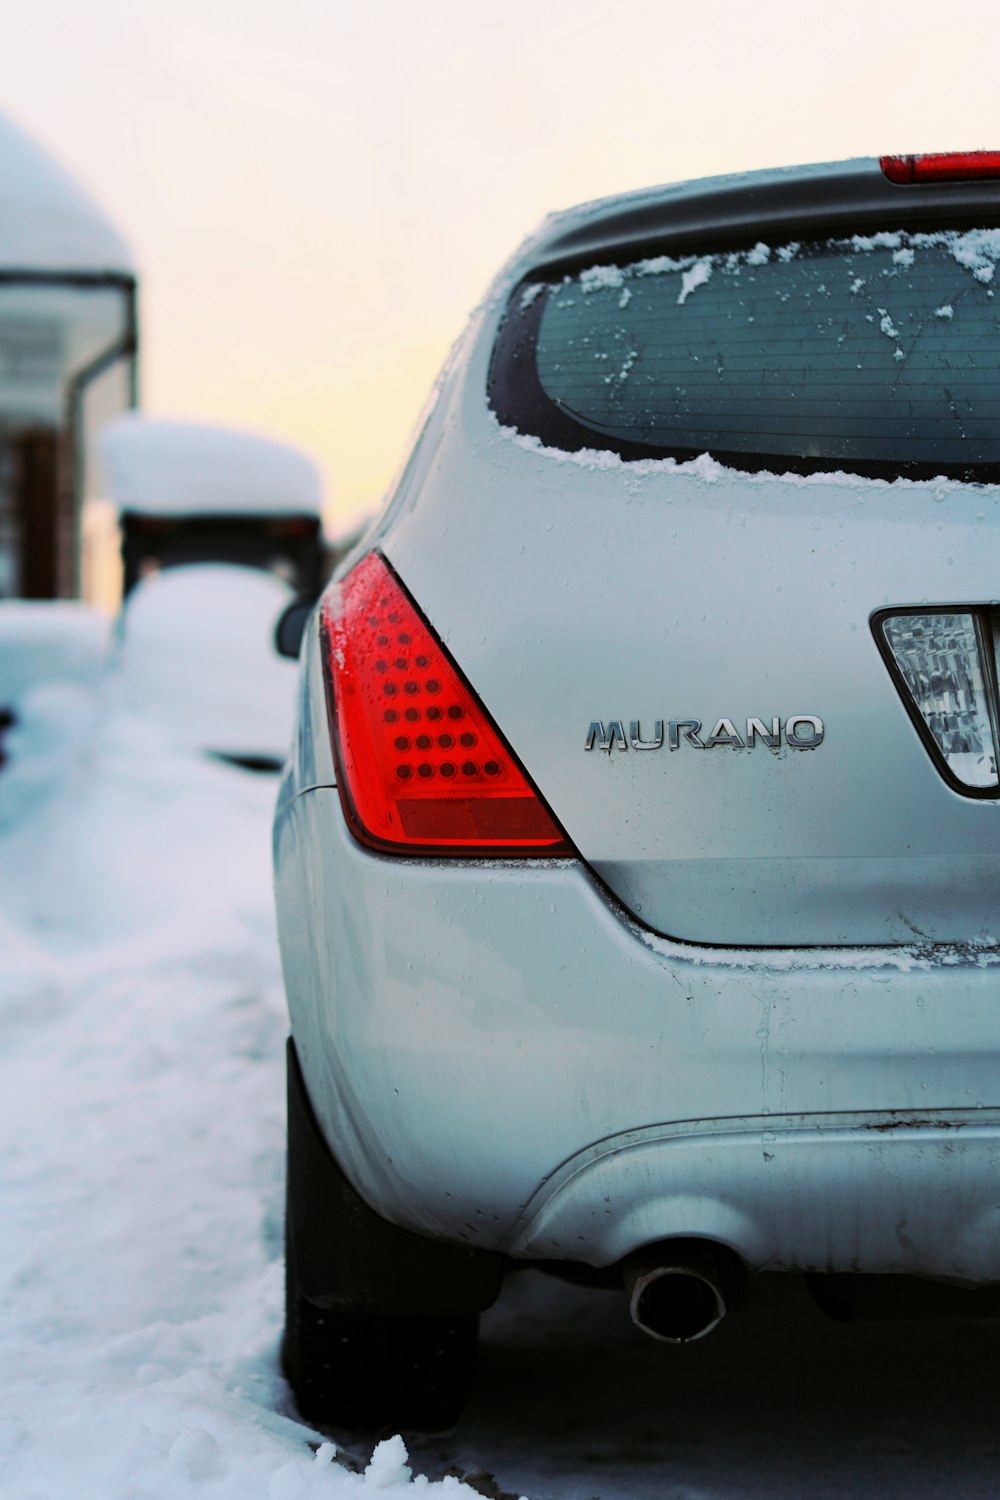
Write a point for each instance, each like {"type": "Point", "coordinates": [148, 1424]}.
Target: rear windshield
{"type": "Point", "coordinates": [879, 353]}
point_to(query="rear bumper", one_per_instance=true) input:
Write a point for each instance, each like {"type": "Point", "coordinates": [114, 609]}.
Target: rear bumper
{"type": "Point", "coordinates": [501, 1059]}
{"type": "Point", "coordinates": [916, 1194]}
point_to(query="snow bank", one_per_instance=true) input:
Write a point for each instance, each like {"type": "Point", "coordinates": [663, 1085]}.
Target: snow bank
{"type": "Point", "coordinates": [52, 656]}
{"type": "Point", "coordinates": [142, 1028]}
{"type": "Point", "coordinates": [49, 641]}
{"type": "Point", "coordinates": [184, 468]}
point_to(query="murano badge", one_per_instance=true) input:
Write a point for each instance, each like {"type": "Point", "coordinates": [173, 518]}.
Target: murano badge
{"type": "Point", "coordinates": [797, 732]}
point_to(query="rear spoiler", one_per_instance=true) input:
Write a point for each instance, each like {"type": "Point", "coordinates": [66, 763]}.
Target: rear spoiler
{"type": "Point", "coordinates": [849, 197]}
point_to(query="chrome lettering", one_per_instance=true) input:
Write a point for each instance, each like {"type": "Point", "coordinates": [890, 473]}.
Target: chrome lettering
{"type": "Point", "coordinates": [756, 730]}
{"type": "Point", "coordinates": [606, 739]}
{"type": "Point", "coordinates": [638, 743]}
{"type": "Point", "coordinates": [799, 731]}
{"type": "Point", "coordinates": [724, 733]}
{"type": "Point", "coordinates": [690, 728]}
{"type": "Point", "coordinates": [796, 740]}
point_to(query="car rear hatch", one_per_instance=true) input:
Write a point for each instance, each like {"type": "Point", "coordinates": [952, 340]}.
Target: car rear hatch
{"type": "Point", "coordinates": [758, 689]}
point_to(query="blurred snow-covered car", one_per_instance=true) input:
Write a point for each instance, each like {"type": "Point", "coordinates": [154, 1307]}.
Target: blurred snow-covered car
{"type": "Point", "coordinates": [197, 660]}
{"type": "Point", "coordinates": [638, 858]}
{"type": "Point", "coordinates": [189, 492]}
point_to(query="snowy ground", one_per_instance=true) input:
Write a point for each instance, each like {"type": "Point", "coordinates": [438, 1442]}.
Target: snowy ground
{"type": "Point", "coordinates": [141, 1094]}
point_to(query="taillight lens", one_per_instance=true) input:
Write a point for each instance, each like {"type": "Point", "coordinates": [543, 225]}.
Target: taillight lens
{"type": "Point", "coordinates": [946, 663]}
{"type": "Point", "coordinates": [941, 166]}
{"type": "Point", "coordinates": [421, 766]}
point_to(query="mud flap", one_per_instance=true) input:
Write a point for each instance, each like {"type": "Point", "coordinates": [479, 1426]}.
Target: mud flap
{"type": "Point", "coordinates": [348, 1257]}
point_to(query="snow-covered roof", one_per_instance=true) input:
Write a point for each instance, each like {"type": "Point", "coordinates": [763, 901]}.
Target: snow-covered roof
{"type": "Point", "coordinates": [169, 468]}
{"type": "Point", "coordinates": [47, 221]}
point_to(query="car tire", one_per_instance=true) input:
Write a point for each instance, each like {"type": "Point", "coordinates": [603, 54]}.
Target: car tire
{"type": "Point", "coordinates": [365, 1370]}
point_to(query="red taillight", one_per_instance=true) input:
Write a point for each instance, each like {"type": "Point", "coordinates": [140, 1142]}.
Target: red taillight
{"type": "Point", "coordinates": [941, 166]}
{"type": "Point", "coordinates": [421, 766]}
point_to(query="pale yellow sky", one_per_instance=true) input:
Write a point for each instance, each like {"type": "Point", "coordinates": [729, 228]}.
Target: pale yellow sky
{"type": "Point", "coordinates": [318, 192]}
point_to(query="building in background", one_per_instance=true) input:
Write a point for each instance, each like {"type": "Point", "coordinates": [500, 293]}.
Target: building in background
{"type": "Point", "coordinates": [68, 352]}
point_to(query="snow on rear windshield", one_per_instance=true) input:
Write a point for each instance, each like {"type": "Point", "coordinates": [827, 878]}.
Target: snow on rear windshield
{"type": "Point", "coordinates": [880, 352]}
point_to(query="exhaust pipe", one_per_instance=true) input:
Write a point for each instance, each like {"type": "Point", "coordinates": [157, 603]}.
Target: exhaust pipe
{"type": "Point", "coordinates": [675, 1289]}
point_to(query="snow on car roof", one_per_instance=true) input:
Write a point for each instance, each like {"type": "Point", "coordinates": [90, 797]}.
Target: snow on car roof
{"type": "Point", "coordinates": [169, 468]}
{"type": "Point", "coordinates": [47, 222]}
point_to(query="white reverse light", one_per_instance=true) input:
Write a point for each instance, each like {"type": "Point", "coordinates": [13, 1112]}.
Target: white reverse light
{"type": "Point", "coordinates": [940, 659]}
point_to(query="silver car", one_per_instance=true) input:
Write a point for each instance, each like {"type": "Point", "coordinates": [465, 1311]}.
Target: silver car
{"type": "Point", "coordinates": [638, 858]}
